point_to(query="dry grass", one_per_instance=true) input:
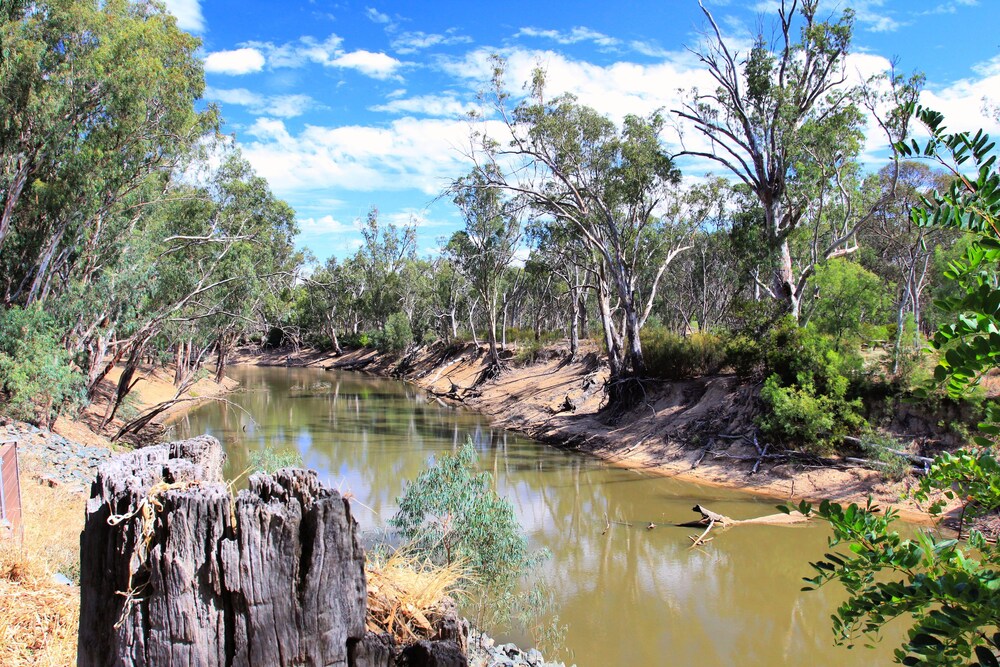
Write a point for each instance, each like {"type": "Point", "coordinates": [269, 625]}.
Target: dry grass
{"type": "Point", "coordinates": [405, 594]}
{"type": "Point", "coordinates": [38, 617]}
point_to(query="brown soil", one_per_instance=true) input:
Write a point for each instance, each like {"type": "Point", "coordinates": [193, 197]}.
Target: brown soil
{"type": "Point", "coordinates": [688, 429]}
{"type": "Point", "coordinates": [155, 385]}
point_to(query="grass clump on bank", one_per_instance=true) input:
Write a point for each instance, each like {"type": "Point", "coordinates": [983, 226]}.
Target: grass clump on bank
{"type": "Point", "coordinates": [38, 616]}
{"type": "Point", "coordinates": [408, 594]}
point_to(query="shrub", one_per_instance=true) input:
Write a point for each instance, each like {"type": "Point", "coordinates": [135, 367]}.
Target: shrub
{"type": "Point", "coordinates": [878, 447]}
{"type": "Point", "coordinates": [35, 370]}
{"type": "Point", "coordinates": [357, 340]}
{"type": "Point", "coordinates": [674, 357]}
{"type": "Point", "coordinates": [451, 511]}
{"type": "Point", "coordinates": [396, 334]}
{"type": "Point", "coordinates": [806, 393]}
{"type": "Point", "coordinates": [269, 460]}
{"type": "Point", "coordinates": [746, 356]}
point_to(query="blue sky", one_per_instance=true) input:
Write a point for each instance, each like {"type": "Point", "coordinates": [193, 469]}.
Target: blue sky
{"type": "Point", "coordinates": [347, 105]}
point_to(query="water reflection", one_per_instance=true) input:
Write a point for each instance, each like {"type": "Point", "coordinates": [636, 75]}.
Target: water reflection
{"type": "Point", "coordinates": [629, 595]}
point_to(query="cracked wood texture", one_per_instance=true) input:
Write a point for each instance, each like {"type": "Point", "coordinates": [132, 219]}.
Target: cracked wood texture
{"type": "Point", "coordinates": [274, 577]}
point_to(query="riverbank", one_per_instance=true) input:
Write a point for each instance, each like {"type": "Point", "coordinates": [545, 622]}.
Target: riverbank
{"type": "Point", "coordinates": [698, 430]}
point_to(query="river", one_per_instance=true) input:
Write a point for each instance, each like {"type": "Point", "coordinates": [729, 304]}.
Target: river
{"type": "Point", "coordinates": [628, 595]}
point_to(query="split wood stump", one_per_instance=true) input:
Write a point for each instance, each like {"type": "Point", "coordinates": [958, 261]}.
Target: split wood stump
{"type": "Point", "coordinates": [177, 571]}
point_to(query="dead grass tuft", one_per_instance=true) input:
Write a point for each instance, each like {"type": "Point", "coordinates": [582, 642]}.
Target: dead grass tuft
{"type": "Point", "coordinates": [406, 594]}
{"type": "Point", "coordinates": [39, 617]}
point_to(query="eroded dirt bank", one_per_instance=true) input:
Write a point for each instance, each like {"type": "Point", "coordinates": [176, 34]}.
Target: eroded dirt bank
{"type": "Point", "coordinates": [700, 430]}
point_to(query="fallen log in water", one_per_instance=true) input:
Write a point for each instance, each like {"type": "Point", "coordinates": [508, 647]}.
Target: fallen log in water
{"type": "Point", "coordinates": [710, 519]}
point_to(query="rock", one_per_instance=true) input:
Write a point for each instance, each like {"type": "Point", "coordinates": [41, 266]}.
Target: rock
{"type": "Point", "coordinates": [433, 654]}
{"type": "Point", "coordinates": [59, 578]}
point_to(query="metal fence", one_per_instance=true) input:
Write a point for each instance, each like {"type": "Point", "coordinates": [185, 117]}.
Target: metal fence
{"type": "Point", "coordinates": [10, 490]}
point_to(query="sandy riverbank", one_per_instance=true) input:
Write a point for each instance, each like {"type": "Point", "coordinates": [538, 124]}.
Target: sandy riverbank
{"type": "Point", "coordinates": [696, 430]}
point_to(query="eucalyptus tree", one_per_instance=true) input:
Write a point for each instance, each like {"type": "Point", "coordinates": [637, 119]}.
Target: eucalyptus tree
{"type": "Point", "coordinates": [783, 119]}
{"type": "Point", "coordinates": [385, 250]}
{"type": "Point", "coordinates": [563, 254]}
{"type": "Point", "coordinates": [574, 165]}
{"type": "Point", "coordinates": [484, 250]}
{"type": "Point", "coordinates": [95, 98]}
{"type": "Point", "coordinates": [700, 286]}
{"type": "Point", "coordinates": [216, 253]}
{"type": "Point", "coordinates": [903, 252]}
{"type": "Point", "coordinates": [448, 297]}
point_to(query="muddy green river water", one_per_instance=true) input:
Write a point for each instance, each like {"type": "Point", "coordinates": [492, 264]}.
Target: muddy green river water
{"type": "Point", "coordinates": [628, 595]}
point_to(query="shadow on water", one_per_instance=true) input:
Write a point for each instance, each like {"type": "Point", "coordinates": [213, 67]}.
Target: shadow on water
{"type": "Point", "coordinates": [630, 596]}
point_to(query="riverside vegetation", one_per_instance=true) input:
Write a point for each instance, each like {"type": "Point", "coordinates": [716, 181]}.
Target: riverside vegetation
{"type": "Point", "coordinates": [134, 235]}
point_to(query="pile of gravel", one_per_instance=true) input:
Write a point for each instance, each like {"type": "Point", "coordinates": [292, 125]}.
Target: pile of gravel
{"type": "Point", "coordinates": [485, 652]}
{"type": "Point", "coordinates": [57, 460]}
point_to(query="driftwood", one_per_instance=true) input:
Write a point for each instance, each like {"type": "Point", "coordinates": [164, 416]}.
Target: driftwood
{"type": "Point", "coordinates": [567, 405]}
{"type": "Point", "coordinates": [710, 519]}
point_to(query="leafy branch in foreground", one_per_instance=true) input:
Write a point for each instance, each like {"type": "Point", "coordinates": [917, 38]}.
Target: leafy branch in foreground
{"type": "Point", "coordinates": [952, 595]}
{"type": "Point", "coordinates": [949, 587]}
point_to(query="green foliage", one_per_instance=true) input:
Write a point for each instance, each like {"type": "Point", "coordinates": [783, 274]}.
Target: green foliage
{"type": "Point", "coordinates": [745, 355]}
{"type": "Point", "coordinates": [396, 334]}
{"type": "Point", "coordinates": [970, 342]}
{"type": "Point", "coordinates": [798, 415]}
{"type": "Point", "coordinates": [269, 460]}
{"type": "Point", "coordinates": [806, 394]}
{"type": "Point", "coordinates": [952, 596]}
{"type": "Point", "coordinates": [36, 376]}
{"type": "Point", "coordinates": [879, 447]}
{"type": "Point", "coordinates": [971, 477]}
{"type": "Point", "coordinates": [849, 296]}
{"type": "Point", "coordinates": [451, 511]}
{"type": "Point", "coordinates": [675, 357]}
{"type": "Point", "coordinates": [949, 588]}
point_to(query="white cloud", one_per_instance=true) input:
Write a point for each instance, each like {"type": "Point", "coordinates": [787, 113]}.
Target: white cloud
{"type": "Point", "coordinates": [327, 224]}
{"type": "Point", "coordinates": [240, 96]}
{"type": "Point", "coordinates": [328, 53]}
{"type": "Point", "coordinates": [187, 13]}
{"type": "Point", "coordinates": [949, 7]}
{"type": "Point", "coordinates": [988, 68]}
{"type": "Point", "coordinates": [573, 36]}
{"type": "Point", "coordinates": [300, 52]}
{"type": "Point", "coordinates": [617, 89]}
{"type": "Point", "coordinates": [428, 105]}
{"type": "Point", "coordinates": [411, 42]}
{"type": "Point", "coordinates": [413, 216]}
{"type": "Point", "coordinates": [289, 106]}
{"type": "Point", "coordinates": [962, 101]}
{"type": "Point", "coordinates": [409, 153]}
{"type": "Point", "coordinates": [237, 62]}
{"type": "Point", "coordinates": [375, 65]}
{"type": "Point", "coordinates": [282, 106]}
{"type": "Point", "coordinates": [870, 14]}
{"type": "Point", "coordinates": [376, 16]}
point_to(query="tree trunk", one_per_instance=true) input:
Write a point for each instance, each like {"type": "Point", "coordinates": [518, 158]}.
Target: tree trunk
{"type": "Point", "coordinates": [786, 281]}
{"type": "Point", "coordinates": [272, 577]}
{"type": "Point", "coordinates": [333, 339]}
{"type": "Point", "coordinates": [574, 322]}
{"type": "Point", "coordinates": [491, 335]}
{"type": "Point", "coordinates": [472, 323]}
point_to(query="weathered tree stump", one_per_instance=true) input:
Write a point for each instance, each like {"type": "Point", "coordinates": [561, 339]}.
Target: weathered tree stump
{"type": "Point", "coordinates": [176, 571]}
